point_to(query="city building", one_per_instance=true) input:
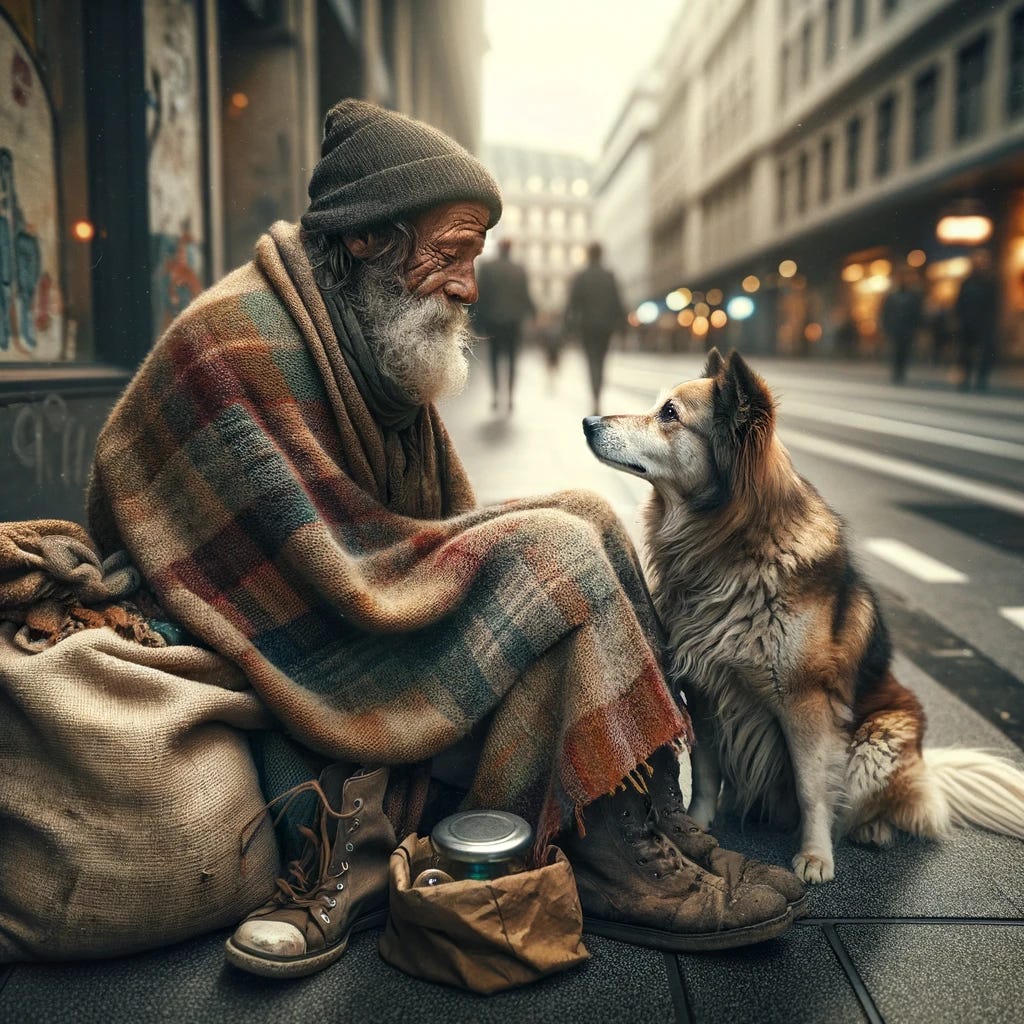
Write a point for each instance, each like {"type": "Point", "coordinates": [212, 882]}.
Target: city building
{"type": "Point", "coordinates": [144, 146]}
{"type": "Point", "coordinates": [806, 151]}
{"type": "Point", "coordinates": [622, 191]}
{"type": "Point", "coordinates": [547, 218]}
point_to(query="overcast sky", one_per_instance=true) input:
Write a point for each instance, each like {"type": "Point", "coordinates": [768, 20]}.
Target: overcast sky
{"type": "Point", "coordinates": [557, 71]}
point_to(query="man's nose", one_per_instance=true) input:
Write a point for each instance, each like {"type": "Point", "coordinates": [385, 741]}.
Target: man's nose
{"type": "Point", "coordinates": [462, 288]}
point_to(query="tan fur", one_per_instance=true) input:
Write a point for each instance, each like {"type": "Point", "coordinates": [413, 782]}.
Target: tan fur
{"type": "Point", "coordinates": [778, 640]}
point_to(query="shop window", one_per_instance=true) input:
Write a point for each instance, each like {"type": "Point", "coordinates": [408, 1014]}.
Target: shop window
{"type": "Point", "coordinates": [1015, 87]}
{"type": "Point", "coordinates": [831, 30]}
{"type": "Point", "coordinates": [926, 91]}
{"type": "Point", "coordinates": [45, 230]}
{"type": "Point", "coordinates": [858, 18]}
{"type": "Point", "coordinates": [802, 172]}
{"type": "Point", "coordinates": [971, 68]}
{"type": "Point", "coordinates": [853, 132]}
{"type": "Point", "coordinates": [825, 192]}
{"type": "Point", "coordinates": [885, 118]}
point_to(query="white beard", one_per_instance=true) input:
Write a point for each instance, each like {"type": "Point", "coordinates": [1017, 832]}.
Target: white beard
{"type": "Point", "coordinates": [420, 344]}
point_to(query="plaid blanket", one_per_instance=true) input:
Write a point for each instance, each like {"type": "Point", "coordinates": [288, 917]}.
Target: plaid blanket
{"type": "Point", "coordinates": [246, 478]}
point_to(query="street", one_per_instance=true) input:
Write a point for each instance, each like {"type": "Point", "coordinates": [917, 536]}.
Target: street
{"type": "Point", "coordinates": [929, 480]}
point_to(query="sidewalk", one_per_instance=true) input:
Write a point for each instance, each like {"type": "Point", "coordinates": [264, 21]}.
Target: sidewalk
{"type": "Point", "coordinates": [921, 932]}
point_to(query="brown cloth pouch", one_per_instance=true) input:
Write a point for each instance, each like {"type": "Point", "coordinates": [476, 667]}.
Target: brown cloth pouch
{"type": "Point", "coordinates": [485, 936]}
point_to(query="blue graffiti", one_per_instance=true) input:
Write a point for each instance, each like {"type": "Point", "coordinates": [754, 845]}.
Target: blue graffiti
{"type": "Point", "coordinates": [21, 262]}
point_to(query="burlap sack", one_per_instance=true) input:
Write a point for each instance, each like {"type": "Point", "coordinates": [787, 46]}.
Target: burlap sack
{"type": "Point", "coordinates": [125, 783]}
{"type": "Point", "coordinates": [483, 936]}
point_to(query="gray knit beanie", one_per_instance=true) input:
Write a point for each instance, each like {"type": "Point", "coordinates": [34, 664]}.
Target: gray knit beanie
{"type": "Point", "coordinates": [377, 166]}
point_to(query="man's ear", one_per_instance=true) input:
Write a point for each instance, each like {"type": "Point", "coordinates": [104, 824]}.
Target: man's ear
{"type": "Point", "coordinates": [363, 246]}
{"type": "Point", "coordinates": [743, 403]}
{"type": "Point", "coordinates": [713, 367]}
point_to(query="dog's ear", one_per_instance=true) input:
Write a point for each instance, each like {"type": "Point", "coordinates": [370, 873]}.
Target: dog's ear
{"type": "Point", "coordinates": [715, 364]}
{"type": "Point", "coordinates": [744, 408]}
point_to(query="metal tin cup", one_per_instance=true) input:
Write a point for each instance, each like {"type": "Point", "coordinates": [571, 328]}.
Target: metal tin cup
{"type": "Point", "coordinates": [482, 844]}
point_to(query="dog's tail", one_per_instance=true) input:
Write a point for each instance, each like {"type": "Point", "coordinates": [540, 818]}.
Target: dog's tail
{"type": "Point", "coordinates": [972, 787]}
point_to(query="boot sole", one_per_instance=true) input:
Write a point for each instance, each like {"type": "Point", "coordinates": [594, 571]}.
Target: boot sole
{"type": "Point", "coordinates": [267, 966]}
{"type": "Point", "coordinates": [680, 942]}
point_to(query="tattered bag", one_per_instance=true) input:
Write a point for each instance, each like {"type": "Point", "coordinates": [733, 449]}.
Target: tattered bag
{"type": "Point", "coordinates": [485, 936]}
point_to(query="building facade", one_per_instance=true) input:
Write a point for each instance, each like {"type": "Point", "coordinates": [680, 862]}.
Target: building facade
{"type": "Point", "coordinates": [547, 217]}
{"type": "Point", "coordinates": [831, 137]}
{"type": "Point", "coordinates": [622, 192]}
{"type": "Point", "coordinates": [144, 146]}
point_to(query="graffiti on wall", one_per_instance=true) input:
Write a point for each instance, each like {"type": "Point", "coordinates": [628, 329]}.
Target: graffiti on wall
{"type": "Point", "coordinates": [31, 319]}
{"type": "Point", "coordinates": [173, 132]}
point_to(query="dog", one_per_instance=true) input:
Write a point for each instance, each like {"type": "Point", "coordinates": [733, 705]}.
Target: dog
{"type": "Point", "coordinates": [777, 639]}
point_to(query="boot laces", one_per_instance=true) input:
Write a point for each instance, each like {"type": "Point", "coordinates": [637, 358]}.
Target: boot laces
{"type": "Point", "coordinates": [308, 882]}
{"type": "Point", "coordinates": [653, 850]}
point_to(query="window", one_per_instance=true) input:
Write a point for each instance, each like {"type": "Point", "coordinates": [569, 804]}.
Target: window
{"type": "Point", "coordinates": [1015, 88]}
{"type": "Point", "coordinates": [831, 30]}
{"type": "Point", "coordinates": [922, 137]}
{"type": "Point", "coordinates": [858, 18]}
{"type": "Point", "coordinates": [825, 192]}
{"type": "Point", "coordinates": [971, 66]}
{"type": "Point", "coordinates": [852, 153]}
{"type": "Point", "coordinates": [802, 170]}
{"type": "Point", "coordinates": [806, 38]}
{"type": "Point", "coordinates": [784, 75]}
{"type": "Point", "coordinates": [885, 117]}
{"type": "Point", "coordinates": [780, 200]}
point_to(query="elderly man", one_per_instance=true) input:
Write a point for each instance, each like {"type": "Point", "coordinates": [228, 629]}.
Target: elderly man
{"type": "Point", "coordinates": [281, 477]}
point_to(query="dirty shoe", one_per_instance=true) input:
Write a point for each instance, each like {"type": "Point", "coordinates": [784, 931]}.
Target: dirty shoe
{"type": "Point", "coordinates": [635, 886]}
{"type": "Point", "coordinates": [338, 885]}
{"type": "Point", "coordinates": [702, 847]}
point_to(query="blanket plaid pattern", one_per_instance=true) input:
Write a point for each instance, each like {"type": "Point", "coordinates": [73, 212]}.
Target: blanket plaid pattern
{"type": "Point", "coordinates": [245, 476]}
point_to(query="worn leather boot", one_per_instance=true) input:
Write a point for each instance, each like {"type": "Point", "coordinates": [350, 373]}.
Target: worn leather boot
{"type": "Point", "coordinates": [635, 886]}
{"type": "Point", "coordinates": [338, 886]}
{"type": "Point", "coordinates": [700, 846]}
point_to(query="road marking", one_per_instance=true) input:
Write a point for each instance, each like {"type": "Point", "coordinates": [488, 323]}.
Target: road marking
{"type": "Point", "coordinates": [900, 428]}
{"type": "Point", "coordinates": [1015, 615]}
{"type": "Point", "coordinates": [912, 561]}
{"type": "Point", "coordinates": [910, 472]}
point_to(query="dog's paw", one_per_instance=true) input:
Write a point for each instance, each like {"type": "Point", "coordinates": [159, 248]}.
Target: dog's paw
{"type": "Point", "coordinates": [814, 868]}
{"type": "Point", "coordinates": [702, 812]}
{"type": "Point", "coordinates": [873, 833]}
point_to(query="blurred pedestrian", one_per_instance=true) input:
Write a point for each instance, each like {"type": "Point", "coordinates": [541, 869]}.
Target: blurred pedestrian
{"type": "Point", "coordinates": [901, 319]}
{"type": "Point", "coordinates": [499, 313]}
{"type": "Point", "coordinates": [595, 312]}
{"type": "Point", "coordinates": [977, 321]}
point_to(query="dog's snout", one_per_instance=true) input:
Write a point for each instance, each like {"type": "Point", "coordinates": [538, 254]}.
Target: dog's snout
{"type": "Point", "coordinates": [590, 424]}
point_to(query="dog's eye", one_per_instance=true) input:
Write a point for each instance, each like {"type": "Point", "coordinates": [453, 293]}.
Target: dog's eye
{"type": "Point", "coordinates": [668, 412]}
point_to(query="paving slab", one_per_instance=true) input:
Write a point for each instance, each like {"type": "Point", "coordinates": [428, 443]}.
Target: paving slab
{"type": "Point", "coordinates": [190, 982]}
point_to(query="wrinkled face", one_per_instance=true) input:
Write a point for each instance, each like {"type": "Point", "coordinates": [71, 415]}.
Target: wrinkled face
{"type": "Point", "coordinates": [448, 239]}
{"type": "Point", "coordinates": [671, 445]}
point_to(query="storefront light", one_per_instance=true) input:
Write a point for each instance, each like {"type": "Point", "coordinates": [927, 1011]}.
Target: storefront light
{"type": "Point", "coordinates": [685, 318]}
{"type": "Point", "coordinates": [852, 273]}
{"type": "Point", "coordinates": [83, 231]}
{"type": "Point", "coordinates": [700, 326]}
{"type": "Point", "coordinates": [750, 284]}
{"type": "Point", "coordinates": [916, 258]}
{"type": "Point", "coordinates": [964, 229]}
{"type": "Point", "coordinates": [701, 308]}
{"type": "Point", "coordinates": [677, 300]}
{"type": "Point", "coordinates": [787, 268]}
{"type": "Point", "coordinates": [719, 318]}
{"type": "Point", "coordinates": [880, 268]}
{"type": "Point", "coordinates": [715, 297]}
{"type": "Point", "coordinates": [812, 332]}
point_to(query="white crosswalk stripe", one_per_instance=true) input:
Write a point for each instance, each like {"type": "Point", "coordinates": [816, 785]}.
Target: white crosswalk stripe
{"type": "Point", "coordinates": [912, 561]}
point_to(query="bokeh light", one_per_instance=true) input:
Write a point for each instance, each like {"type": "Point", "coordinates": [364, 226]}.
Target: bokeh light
{"type": "Point", "coordinates": [787, 268]}
{"type": "Point", "coordinates": [740, 307]}
{"type": "Point", "coordinates": [750, 284]}
{"type": "Point", "coordinates": [719, 318]}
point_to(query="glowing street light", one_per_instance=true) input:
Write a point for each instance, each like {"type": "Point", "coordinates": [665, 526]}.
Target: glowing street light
{"type": "Point", "coordinates": [740, 307]}
{"type": "Point", "coordinates": [677, 300]}
{"type": "Point", "coordinates": [787, 268]}
{"type": "Point", "coordinates": [750, 284]}
{"type": "Point", "coordinates": [647, 312]}
{"type": "Point", "coordinates": [719, 318]}
{"type": "Point", "coordinates": [964, 229]}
